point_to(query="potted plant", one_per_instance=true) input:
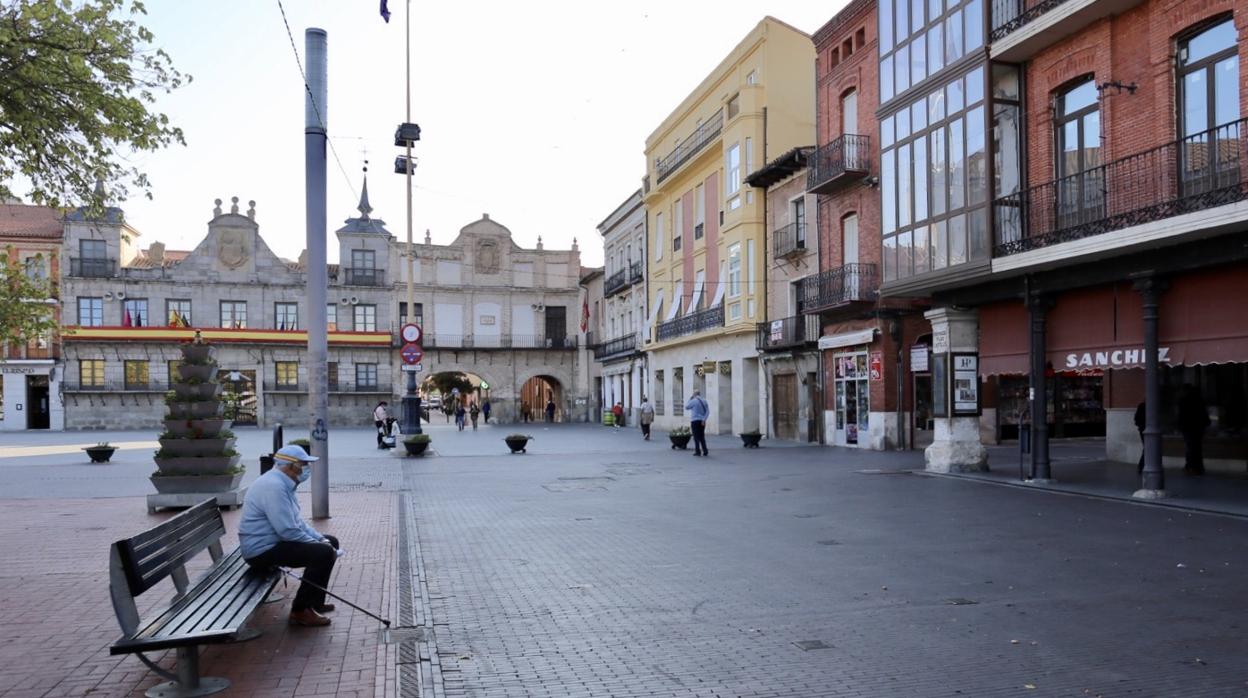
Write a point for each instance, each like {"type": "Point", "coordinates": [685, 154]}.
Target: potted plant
{"type": "Point", "coordinates": [517, 442]}
{"type": "Point", "coordinates": [750, 439]}
{"type": "Point", "coordinates": [196, 459]}
{"type": "Point", "coordinates": [680, 437]}
{"type": "Point", "coordinates": [100, 453]}
{"type": "Point", "coordinates": [416, 444]}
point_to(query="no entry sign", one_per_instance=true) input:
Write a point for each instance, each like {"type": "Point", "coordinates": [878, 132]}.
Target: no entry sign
{"type": "Point", "coordinates": [411, 354]}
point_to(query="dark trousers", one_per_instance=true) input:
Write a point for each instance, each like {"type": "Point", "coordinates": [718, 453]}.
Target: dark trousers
{"type": "Point", "coordinates": [379, 425]}
{"type": "Point", "coordinates": [1194, 451]}
{"type": "Point", "coordinates": [317, 559]}
{"type": "Point", "coordinates": [698, 427]}
{"type": "Point", "coordinates": [645, 429]}
{"type": "Point", "coordinates": [1141, 468]}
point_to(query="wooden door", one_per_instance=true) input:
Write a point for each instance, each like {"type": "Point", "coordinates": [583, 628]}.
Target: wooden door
{"type": "Point", "coordinates": [784, 405]}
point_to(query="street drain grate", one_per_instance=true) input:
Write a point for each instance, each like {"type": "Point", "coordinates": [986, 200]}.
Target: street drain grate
{"type": "Point", "coordinates": [808, 645]}
{"type": "Point", "coordinates": [397, 634]}
{"type": "Point", "coordinates": [355, 486]}
{"type": "Point", "coordinates": [961, 602]}
{"type": "Point", "coordinates": [883, 471]}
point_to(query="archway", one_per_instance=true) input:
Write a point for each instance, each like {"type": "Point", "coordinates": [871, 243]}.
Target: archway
{"type": "Point", "coordinates": [536, 393]}
{"type": "Point", "coordinates": [442, 392]}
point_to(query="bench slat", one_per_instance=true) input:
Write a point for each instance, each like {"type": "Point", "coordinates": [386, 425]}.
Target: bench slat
{"type": "Point", "coordinates": [154, 554]}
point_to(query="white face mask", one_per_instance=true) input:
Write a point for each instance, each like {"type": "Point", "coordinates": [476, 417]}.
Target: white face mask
{"type": "Point", "coordinates": [305, 473]}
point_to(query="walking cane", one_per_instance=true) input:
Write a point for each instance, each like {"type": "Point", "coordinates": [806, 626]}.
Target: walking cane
{"type": "Point", "coordinates": [286, 571]}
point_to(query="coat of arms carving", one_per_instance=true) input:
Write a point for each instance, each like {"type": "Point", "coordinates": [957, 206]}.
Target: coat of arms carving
{"type": "Point", "coordinates": [487, 257]}
{"type": "Point", "coordinates": [232, 248]}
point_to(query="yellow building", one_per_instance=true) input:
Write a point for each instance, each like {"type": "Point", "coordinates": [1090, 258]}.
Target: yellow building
{"type": "Point", "coordinates": [707, 228]}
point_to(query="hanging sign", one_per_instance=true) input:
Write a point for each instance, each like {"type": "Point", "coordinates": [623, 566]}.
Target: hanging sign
{"type": "Point", "coordinates": [877, 365]}
{"type": "Point", "coordinates": [918, 358]}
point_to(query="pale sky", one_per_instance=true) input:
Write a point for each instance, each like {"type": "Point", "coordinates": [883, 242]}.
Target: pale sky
{"type": "Point", "coordinates": [536, 113]}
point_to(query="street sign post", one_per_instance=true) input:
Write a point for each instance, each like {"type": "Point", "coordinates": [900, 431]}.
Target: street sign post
{"type": "Point", "coordinates": [411, 333]}
{"type": "Point", "coordinates": [411, 354]}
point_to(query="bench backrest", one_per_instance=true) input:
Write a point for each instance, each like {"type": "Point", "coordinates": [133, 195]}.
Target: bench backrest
{"type": "Point", "coordinates": [140, 563]}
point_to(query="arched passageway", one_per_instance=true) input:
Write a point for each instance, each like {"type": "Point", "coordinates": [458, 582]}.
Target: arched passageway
{"type": "Point", "coordinates": [537, 395]}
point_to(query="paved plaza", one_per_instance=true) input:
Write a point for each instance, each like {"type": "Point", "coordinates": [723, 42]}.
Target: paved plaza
{"type": "Point", "coordinates": [598, 564]}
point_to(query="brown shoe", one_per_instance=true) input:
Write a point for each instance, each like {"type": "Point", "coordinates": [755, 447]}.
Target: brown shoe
{"type": "Point", "coordinates": [326, 608]}
{"type": "Point", "coordinates": [308, 617]}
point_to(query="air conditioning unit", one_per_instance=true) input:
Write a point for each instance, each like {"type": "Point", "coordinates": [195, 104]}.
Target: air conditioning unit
{"type": "Point", "coordinates": [121, 295]}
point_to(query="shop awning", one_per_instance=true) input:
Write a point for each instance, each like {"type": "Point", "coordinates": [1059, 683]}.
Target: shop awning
{"type": "Point", "coordinates": [654, 310]}
{"type": "Point", "coordinates": [720, 285]}
{"type": "Point", "coordinates": [847, 339]}
{"type": "Point", "coordinates": [676, 298]}
{"type": "Point", "coordinates": [697, 292]}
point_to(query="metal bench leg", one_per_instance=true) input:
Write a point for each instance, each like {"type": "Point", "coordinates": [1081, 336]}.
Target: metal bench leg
{"type": "Point", "coordinates": [189, 683]}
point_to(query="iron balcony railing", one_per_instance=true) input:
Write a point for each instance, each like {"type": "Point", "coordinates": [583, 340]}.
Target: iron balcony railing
{"type": "Point", "coordinates": [1190, 174]}
{"type": "Point", "coordinates": [843, 285]}
{"type": "Point", "coordinates": [699, 139]}
{"type": "Point", "coordinates": [635, 272]}
{"type": "Point", "coordinates": [116, 387]}
{"type": "Point", "coordinates": [788, 333]}
{"type": "Point", "coordinates": [364, 277]}
{"type": "Point", "coordinates": [1009, 16]}
{"type": "Point", "coordinates": [614, 283]}
{"type": "Point", "coordinates": [276, 387]}
{"type": "Point", "coordinates": [468, 341]}
{"type": "Point", "coordinates": [616, 347]}
{"type": "Point", "coordinates": [843, 159]}
{"type": "Point", "coordinates": [789, 240]}
{"type": "Point", "coordinates": [693, 323]}
{"type": "Point", "coordinates": [92, 267]}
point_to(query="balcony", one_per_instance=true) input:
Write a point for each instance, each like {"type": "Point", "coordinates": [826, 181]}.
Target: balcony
{"type": "Point", "coordinates": [701, 321]}
{"type": "Point", "coordinates": [789, 241]}
{"type": "Point", "coordinates": [621, 346]}
{"type": "Point", "coordinates": [274, 387]}
{"type": "Point", "coordinates": [1198, 172]}
{"type": "Point", "coordinates": [615, 283]}
{"type": "Point", "coordinates": [496, 341]}
{"type": "Point", "coordinates": [636, 272]}
{"type": "Point", "coordinates": [115, 387]}
{"type": "Point", "coordinates": [1022, 28]}
{"type": "Point", "coordinates": [835, 288]}
{"type": "Point", "coordinates": [363, 277]}
{"type": "Point", "coordinates": [845, 159]}
{"type": "Point", "coordinates": [92, 267]}
{"type": "Point", "coordinates": [791, 332]}
{"type": "Point", "coordinates": [699, 139]}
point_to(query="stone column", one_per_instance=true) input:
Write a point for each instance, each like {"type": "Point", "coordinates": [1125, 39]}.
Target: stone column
{"type": "Point", "coordinates": [956, 448]}
{"type": "Point", "coordinates": [1038, 306]}
{"type": "Point", "coordinates": [1153, 480]}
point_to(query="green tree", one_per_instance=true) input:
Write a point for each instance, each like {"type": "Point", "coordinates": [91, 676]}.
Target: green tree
{"type": "Point", "coordinates": [24, 312]}
{"type": "Point", "coordinates": [77, 79]}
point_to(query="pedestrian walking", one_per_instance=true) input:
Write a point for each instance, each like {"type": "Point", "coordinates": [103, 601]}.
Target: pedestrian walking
{"type": "Point", "coordinates": [617, 412]}
{"type": "Point", "coordinates": [459, 416]}
{"type": "Point", "coordinates": [550, 410]}
{"type": "Point", "coordinates": [473, 412]}
{"type": "Point", "coordinates": [1193, 420]}
{"type": "Point", "coordinates": [485, 410]}
{"type": "Point", "coordinates": [1140, 423]}
{"type": "Point", "coordinates": [698, 411]}
{"type": "Point", "coordinates": [647, 417]}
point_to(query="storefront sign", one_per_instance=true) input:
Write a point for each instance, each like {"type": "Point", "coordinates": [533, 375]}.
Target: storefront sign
{"type": "Point", "coordinates": [965, 384]}
{"type": "Point", "coordinates": [918, 358]}
{"type": "Point", "coordinates": [940, 340]}
{"type": "Point", "coordinates": [877, 366]}
{"type": "Point", "coordinates": [18, 369]}
{"type": "Point", "coordinates": [777, 330]}
{"type": "Point", "coordinates": [1114, 358]}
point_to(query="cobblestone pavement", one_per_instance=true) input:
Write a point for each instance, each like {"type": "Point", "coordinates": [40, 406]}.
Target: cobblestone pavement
{"type": "Point", "coordinates": [634, 570]}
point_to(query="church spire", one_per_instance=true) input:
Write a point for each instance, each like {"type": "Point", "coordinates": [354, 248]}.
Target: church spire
{"type": "Point", "coordinates": [364, 208]}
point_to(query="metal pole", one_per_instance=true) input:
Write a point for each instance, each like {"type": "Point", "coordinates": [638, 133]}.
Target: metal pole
{"type": "Point", "coordinates": [1154, 476]}
{"type": "Point", "coordinates": [411, 401]}
{"type": "Point", "coordinates": [316, 125]}
{"type": "Point", "coordinates": [1040, 468]}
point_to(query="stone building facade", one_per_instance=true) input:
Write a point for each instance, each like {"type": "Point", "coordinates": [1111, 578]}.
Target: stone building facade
{"type": "Point", "coordinates": [619, 347]}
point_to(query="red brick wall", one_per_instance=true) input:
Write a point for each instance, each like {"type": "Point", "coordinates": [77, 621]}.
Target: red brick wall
{"type": "Point", "coordinates": [1138, 46]}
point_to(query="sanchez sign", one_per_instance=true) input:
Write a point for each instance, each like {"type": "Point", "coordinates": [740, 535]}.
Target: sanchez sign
{"type": "Point", "coordinates": [1113, 358]}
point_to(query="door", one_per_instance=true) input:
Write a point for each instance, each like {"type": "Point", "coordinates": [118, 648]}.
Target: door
{"type": "Point", "coordinates": [556, 325]}
{"type": "Point", "coordinates": [922, 434]}
{"type": "Point", "coordinates": [784, 405]}
{"type": "Point", "coordinates": [239, 396]}
{"type": "Point", "coordinates": [850, 157]}
{"type": "Point", "coordinates": [38, 409]}
{"type": "Point", "coordinates": [853, 396]}
{"type": "Point", "coordinates": [849, 250]}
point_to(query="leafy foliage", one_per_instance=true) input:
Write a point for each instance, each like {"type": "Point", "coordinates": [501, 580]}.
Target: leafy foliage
{"type": "Point", "coordinates": [76, 83]}
{"type": "Point", "coordinates": [23, 314]}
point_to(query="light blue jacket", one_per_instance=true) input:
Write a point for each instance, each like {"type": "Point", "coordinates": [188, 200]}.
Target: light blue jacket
{"type": "Point", "coordinates": [271, 514]}
{"type": "Point", "coordinates": [698, 409]}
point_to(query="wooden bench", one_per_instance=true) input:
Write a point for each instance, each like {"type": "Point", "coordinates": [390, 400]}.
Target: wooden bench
{"type": "Point", "coordinates": [212, 610]}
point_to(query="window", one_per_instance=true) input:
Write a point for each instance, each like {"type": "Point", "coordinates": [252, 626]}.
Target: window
{"type": "Point", "coordinates": [734, 106]}
{"type": "Point", "coordinates": [331, 375]}
{"type": "Point", "coordinates": [171, 372]}
{"type": "Point", "coordinates": [134, 313]}
{"type": "Point", "coordinates": [287, 374]}
{"type": "Point", "coordinates": [178, 312]}
{"type": "Point", "coordinates": [658, 237]}
{"type": "Point", "coordinates": [860, 38]}
{"type": "Point", "coordinates": [678, 227]}
{"type": "Point", "coordinates": [699, 212]}
{"type": "Point", "coordinates": [917, 38]}
{"type": "Point", "coordinates": [91, 373]}
{"type": "Point", "coordinates": [732, 169]}
{"type": "Point", "coordinates": [365, 318]}
{"type": "Point", "coordinates": [419, 318]}
{"type": "Point", "coordinates": [136, 374]}
{"type": "Point", "coordinates": [1081, 181]}
{"type": "Point", "coordinates": [751, 78]}
{"type": "Point", "coordinates": [36, 268]}
{"type": "Point", "coordinates": [847, 48]}
{"type": "Point", "coordinates": [365, 376]}
{"type": "Point", "coordinates": [734, 269]}
{"type": "Point", "coordinates": [798, 216]}
{"type": "Point", "coordinates": [834, 58]}
{"type": "Point", "coordinates": [234, 314]}
{"type": "Point", "coordinates": [92, 249]}
{"type": "Point", "coordinates": [286, 316]}
{"type": "Point", "coordinates": [1208, 83]}
{"type": "Point", "coordinates": [91, 312]}
{"type": "Point", "coordinates": [331, 317]}
{"type": "Point", "coordinates": [363, 269]}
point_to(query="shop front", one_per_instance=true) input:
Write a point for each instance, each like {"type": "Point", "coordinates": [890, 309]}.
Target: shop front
{"type": "Point", "coordinates": [30, 396]}
{"type": "Point", "coordinates": [849, 371]}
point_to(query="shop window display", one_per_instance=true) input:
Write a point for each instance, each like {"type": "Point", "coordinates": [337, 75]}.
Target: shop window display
{"type": "Point", "coordinates": [1076, 405]}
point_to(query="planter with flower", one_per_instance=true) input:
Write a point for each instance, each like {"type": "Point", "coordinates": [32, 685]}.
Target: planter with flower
{"type": "Point", "coordinates": [680, 437]}
{"type": "Point", "coordinates": [750, 439]}
{"type": "Point", "coordinates": [101, 452]}
{"type": "Point", "coordinates": [416, 444]}
{"type": "Point", "coordinates": [517, 442]}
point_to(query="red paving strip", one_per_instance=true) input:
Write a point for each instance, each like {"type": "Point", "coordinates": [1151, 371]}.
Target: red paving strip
{"type": "Point", "coordinates": [57, 620]}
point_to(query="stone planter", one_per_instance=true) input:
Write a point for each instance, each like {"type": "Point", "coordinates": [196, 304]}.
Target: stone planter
{"type": "Point", "coordinates": [99, 454]}
{"type": "Point", "coordinates": [204, 372]}
{"type": "Point", "coordinates": [195, 410]}
{"type": "Point", "coordinates": [517, 445]}
{"type": "Point", "coordinates": [750, 440]}
{"type": "Point", "coordinates": [197, 428]}
{"type": "Point", "coordinates": [680, 441]}
{"type": "Point", "coordinates": [196, 353]}
{"type": "Point", "coordinates": [201, 391]}
{"type": "Point", "coordinates": [189, 465]}
{"type": "Point", "coordinates": [415, 448]}
{"type": "Point", "coordinates": [197, 447]}
{"type": "Point", "coordinates": [195, 484]}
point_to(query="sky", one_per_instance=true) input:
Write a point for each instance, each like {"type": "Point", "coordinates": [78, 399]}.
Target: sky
{"type": "Point", "coordinates": [536, 113]}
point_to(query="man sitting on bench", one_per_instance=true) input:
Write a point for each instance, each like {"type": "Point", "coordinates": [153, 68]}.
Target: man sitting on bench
{"type": "Point", "coordinates": [273, 533]}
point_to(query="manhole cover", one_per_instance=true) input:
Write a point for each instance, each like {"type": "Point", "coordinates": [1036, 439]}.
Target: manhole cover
{"type": "Point", "coordinates": [395, 635]}
{"type": "Point", "coordinates": [808, 645]}
{"type": "Point", "coordinates": [961, 602]}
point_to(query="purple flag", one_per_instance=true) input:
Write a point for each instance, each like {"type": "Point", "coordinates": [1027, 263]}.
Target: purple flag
{"type": "Point", "coordinates": [385, 11]}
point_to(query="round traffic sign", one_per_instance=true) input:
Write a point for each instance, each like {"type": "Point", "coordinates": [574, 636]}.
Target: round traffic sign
{"type": "Point", "coordinates": [411, 354]}
{"type": "Point", "coordinates": [411, 333]}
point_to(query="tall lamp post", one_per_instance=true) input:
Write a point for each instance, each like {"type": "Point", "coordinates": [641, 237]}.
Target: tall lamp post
{"type": "Point", "coordinates": [407, 134]}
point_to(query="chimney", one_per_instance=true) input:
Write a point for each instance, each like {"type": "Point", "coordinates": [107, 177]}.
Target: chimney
{"type": "Point", "coordinates": [156, 253]}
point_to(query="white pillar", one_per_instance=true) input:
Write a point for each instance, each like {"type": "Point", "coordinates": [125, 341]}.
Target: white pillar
{"type": "Point", "coordinates": [956, 448]}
